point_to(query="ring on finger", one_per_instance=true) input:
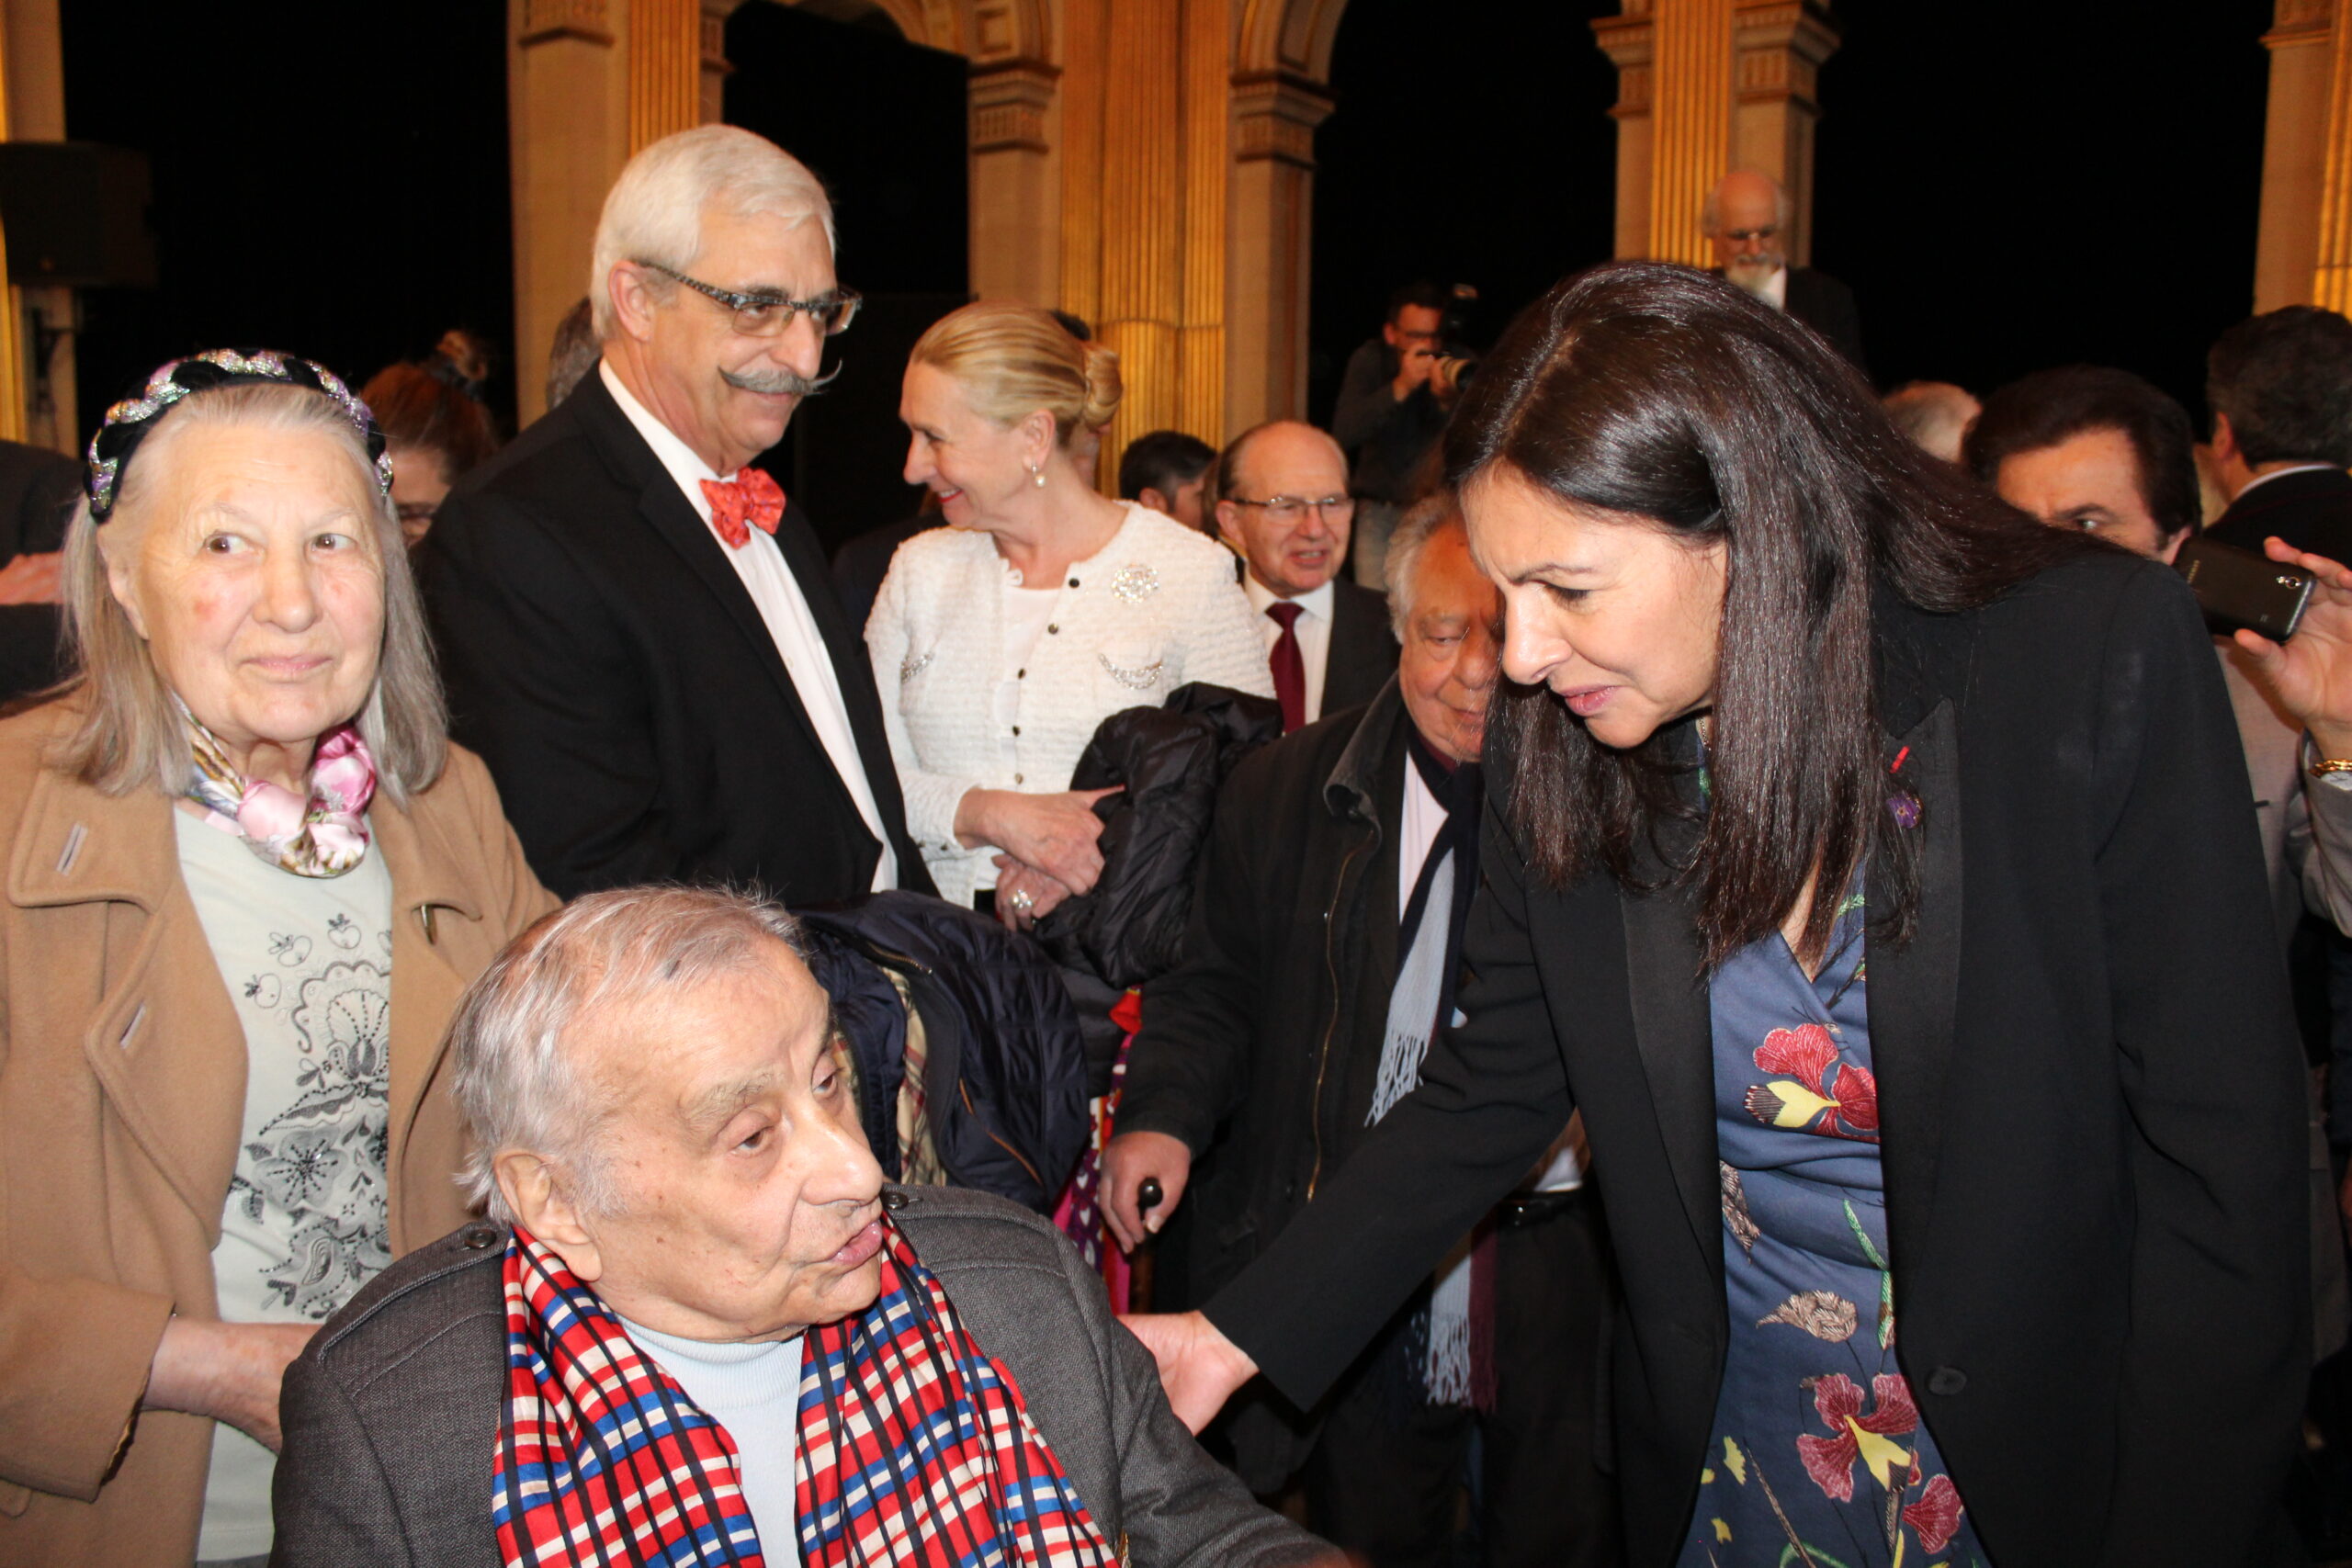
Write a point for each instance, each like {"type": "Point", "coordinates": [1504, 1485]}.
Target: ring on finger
{"type": "Point", "coordinates": [1022, 901]}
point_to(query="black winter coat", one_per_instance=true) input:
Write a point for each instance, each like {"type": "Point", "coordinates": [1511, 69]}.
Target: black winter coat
{"type": "Point", "coordinates": [2089, 1090]}
{"type": "Point", "coordinates": [1005, 1079]}
{"type": "Point", "coordinates": [1171, 760]}
{"type": "Point", "coordinates": [1271, 1028]}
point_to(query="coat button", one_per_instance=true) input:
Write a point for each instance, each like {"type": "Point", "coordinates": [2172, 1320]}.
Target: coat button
{"type": "Point", "coordinates": [1052, 627]}
{"type": "Point", "coordinates": [893, 1200]}
{"type": "Point", "coordinates": [1016, 730]}
{"type": "Point", "coordinates": [1073, 582]}
{"type": "Point", "coordinates": [1947, 1382]}
{"type": "Point", "coordinates": [477, 1237]}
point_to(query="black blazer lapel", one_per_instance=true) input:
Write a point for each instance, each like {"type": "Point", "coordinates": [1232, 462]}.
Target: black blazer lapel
{"type": "Point", "coordinates": [1914, 989]}
{"type": "Point", "coordinates": [672, 517]}
{"type": "Point", "coordinates": [1673, 1030]}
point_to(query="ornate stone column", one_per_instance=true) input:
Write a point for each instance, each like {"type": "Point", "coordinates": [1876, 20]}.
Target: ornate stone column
{"type": "Point", "coordinates": [2295, 145]}
{"type": "Point", "coordinates": [1704, 88]}
{"type": "Point", "coordinates": [1274, 116]}
{"type": "Point", "coordinates": [1778, 46]}
{"type": "Point", "coordinates": [1627, 41]}
{"type": "Point", "coordinates": [1690, 88]}
{"type": "Point", "coordinates": [36, 391]}
{"type": "Point", "coordinates": [567, 125]}
{"type": "Point", "coordinates": [1015, 245]}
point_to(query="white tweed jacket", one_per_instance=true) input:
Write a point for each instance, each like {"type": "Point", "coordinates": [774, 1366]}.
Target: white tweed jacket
{"type": "Point", "coordinates": [1156, 608]}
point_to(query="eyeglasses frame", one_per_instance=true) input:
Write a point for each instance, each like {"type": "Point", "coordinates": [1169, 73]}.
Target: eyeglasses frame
{"type": "Point", "coordinates": [736, 301]}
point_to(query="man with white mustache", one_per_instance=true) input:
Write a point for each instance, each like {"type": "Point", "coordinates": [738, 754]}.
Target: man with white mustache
{"type": "Point", "coordinates": [637, 633]}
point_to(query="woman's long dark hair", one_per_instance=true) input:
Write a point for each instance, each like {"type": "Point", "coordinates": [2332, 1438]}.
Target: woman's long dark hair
{"type": "Point", "coordinates": [1660, 391]}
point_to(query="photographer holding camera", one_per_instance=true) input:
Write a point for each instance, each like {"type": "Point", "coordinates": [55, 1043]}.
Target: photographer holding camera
{"type": "Point", "coordinates": [1399, 389]}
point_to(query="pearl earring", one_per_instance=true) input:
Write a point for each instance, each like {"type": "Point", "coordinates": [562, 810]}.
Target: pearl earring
{"type": "Point", "coordinates": [1038, 474]}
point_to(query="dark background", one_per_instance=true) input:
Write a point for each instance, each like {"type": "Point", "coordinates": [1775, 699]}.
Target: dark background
{"type": "Point", "coordinates": [331, 183]}
{"type": "Point", "coordinates": [2004, 187]}
{"type": "Point", "coordinates": [882, 122]}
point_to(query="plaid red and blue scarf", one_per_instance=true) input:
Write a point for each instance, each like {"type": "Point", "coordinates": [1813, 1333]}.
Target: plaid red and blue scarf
{"type": "Point", "coordinates": [915, 1447]}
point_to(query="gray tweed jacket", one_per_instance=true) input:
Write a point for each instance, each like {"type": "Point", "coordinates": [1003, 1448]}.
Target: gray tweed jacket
{"type": "Point", "coordinates": [391, 1414]}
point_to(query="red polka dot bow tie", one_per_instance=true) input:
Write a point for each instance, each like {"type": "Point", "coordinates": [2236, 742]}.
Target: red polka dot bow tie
{"type": "Point", "coordinates": [750, 500]}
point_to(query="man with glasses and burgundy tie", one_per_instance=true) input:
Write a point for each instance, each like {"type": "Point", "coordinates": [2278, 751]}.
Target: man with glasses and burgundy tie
{"type": "Point", "coordinates": [1282, 504]}
{"type": "Point", "coordinates": [638, 632]}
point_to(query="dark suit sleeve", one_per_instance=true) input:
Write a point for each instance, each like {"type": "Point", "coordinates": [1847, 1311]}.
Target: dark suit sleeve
{"type": "Point", "coordinates": [1178, 1507]}
{"type": "Point", "coordinates": [1190, 1063]}
{"type": "Point", "coordinates": [1493, 1096]}
{"type": "Point", "coordinates": [543, 685]}
{"type": "Point", "coordinates": [331, 1499]}
{"type": "Point", "coordinates": [2207, 1060]}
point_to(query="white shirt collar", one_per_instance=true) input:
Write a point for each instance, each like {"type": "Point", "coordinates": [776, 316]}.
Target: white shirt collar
{"type": "Point", "coordinates": [675, 455]}
{"type": "Point", "coordinates": [2277, 474]}
{"type": "Point", "coordinates": [1316, 604]}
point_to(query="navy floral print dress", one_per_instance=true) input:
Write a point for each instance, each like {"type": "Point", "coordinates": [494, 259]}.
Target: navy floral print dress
{"type": "Point", "coordinates": [1818, 1455]}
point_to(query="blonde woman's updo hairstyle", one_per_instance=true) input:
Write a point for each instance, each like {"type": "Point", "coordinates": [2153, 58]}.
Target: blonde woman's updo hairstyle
{"type": "Point", "coordinates": [130, 734]}
{"type": "Point", "coordinates": [1013, 359]}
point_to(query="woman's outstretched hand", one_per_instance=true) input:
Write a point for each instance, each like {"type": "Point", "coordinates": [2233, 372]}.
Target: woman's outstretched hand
{"type": "Point", "coordinates": [1199, 1367]}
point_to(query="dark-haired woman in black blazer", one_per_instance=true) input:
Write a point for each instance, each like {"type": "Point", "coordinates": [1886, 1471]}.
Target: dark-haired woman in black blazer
{"type": "Point", "coordinates": [1876, 870]}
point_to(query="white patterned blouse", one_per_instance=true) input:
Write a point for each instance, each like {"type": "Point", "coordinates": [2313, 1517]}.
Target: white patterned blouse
{"type": "Point", "coordinates": [1156, 608]}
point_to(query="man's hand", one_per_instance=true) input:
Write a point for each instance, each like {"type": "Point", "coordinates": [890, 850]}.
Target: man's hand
{"type": "Point", "coordinates": [2310, 675]}
{"type": "Point", "coordinates": [33, 580]}
{"type": "Point", "coordinates": [1126, 1160]}
{"type": "Point", "coordinates": [230, 1372]}
{"type": "Point", "coordinates": [1199, 1368]}
{"type": "Point", "coordinates": [1415, 366]}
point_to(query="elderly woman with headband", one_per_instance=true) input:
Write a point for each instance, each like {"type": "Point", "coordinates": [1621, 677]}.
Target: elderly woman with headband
{"type": "Point", "coordinates": [1002, 640]}
{"type": "Point", "coordinates": [248, 880]}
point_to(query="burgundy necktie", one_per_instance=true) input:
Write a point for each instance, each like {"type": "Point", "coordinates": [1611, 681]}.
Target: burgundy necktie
{"type": "Point", "coordinates": [1289, 666]}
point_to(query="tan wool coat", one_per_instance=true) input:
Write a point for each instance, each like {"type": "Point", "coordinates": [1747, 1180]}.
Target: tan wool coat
{"type": "Point", "coordinates": [123, 1084]}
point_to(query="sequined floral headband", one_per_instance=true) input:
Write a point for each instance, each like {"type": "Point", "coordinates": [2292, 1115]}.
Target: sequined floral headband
{"type": "Point", "coordinates": [132, 418]}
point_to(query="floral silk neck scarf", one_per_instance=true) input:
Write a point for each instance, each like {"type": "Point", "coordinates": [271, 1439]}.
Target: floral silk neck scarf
{"type": "Point", "coordinates": [914, 1445]}
{"type": "Point", "coordinates": [324, 836]}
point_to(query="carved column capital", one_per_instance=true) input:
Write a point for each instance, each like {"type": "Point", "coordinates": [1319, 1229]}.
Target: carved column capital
{"type": "Point", "coordinates": [1010, 101]}
{"type": "Point", "coordinates": [1629, 41]}
{"type": "Point", "coordinates": [2298, 22]}
{"type": "Point", "coordinates": [1275, 118]}
{"type": "Point", "coordinates": [1779, 46]}
{"type": "Point", "coordinates": [544, 20]}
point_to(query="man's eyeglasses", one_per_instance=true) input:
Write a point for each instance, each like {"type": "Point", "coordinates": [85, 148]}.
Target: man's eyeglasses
{"type": "Point", "coordinates": [767, 314]}
{"type": "Point", "coordinates": [1743, 236]}
{"type": "Point", "coordinates": [1288, 509]}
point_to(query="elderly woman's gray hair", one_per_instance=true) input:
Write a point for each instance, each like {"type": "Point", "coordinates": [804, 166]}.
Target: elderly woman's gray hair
{"type": "Point", "coordinates": [1401, 569]}
{"type": "Point", "coordinates": [653, 213]}
{"type": "Point", "coordinates": [516, 1078]}
{"type": "Point", "coordinates": [130, 734]}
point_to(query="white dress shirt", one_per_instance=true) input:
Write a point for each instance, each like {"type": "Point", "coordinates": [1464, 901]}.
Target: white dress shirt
{"type": "Point", "coordinates": [775, 592]}
{"type": "Point", "coordinates": [1776, 289]}
{"type": "Point", "coordinates": [1563, 1165]}
{"type": "Point", "coordinates": [1313, 627]}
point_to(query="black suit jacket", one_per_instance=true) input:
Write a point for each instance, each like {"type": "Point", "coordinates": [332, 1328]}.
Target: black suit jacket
{"type": "Point", "coordinates": [393, 1411]}
{"type": "Point", "coordinates": [1825, 304]}
{"type": "Point", "coordinates": [37, 489]}
{"type": "Point", "coordinates": [1364, 648]}
{"type": "Point", "coordinates": [2311, 510]}
{"type": "Point", "coordinates": [604, 660]}
{"type": "Point", "coordinates": [2089, 1089]}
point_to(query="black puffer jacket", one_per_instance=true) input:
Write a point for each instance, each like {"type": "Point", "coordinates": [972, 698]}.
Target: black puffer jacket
{"type": "Point", "coordinates": [1005, 1077]}
{"type": "Point", "coordinates": [1130, 927]}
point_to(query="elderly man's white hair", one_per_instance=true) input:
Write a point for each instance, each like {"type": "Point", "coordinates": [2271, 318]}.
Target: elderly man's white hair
{"type": "Point", "coordinates": [1934, 414]}
{"type": "Point", "coordinates": [1784, 210]}
{"type": "Point", "coordinates": [654, 211]}
{"type": "Point", "coordinates": [516, 1037]}
{"type": "Point", "coordinates": [1400, 569]}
